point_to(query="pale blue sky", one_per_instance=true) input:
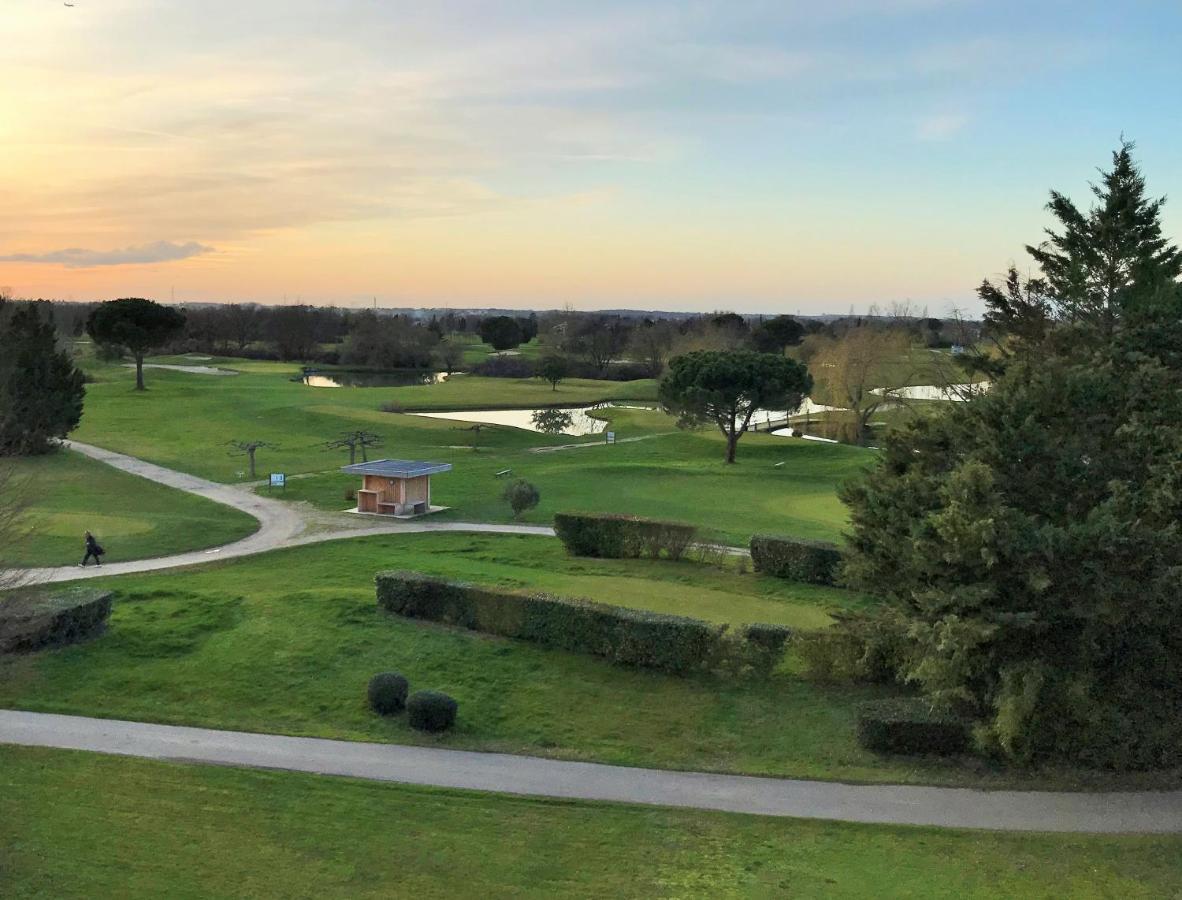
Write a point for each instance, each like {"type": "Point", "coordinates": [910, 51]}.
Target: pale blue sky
{"type": "Point", "coordinates": [750, 155]}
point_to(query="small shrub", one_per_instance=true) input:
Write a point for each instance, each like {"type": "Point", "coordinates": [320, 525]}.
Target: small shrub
{"type": "Point", "coordinates": [869, 648]}
{"type": "Point", "coordinates": [387, 693]}
{"type": "Point", "coordinates": [622, 537]}
{"type": "Point", "coordinates": [765, 646]}
{"type": "Point", "coordinates": [911, 726]}
{"type": "Point", "coordinates": [814, 562]}
{"type": "Point", "coordinates": [431, 711]}
{"type": "Point", "coordinates": [521, 496]}
{"type": "Point", "coordinates": [32, 620]}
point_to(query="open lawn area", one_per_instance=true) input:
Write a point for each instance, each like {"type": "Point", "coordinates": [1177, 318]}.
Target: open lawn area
{"type": "Point", "coordinates": [85, 825]}
{"type": "Point", "coordinates": [286, 642]}
{"type": "Point", "coordinates": [131, 517]}
{"type": "Point", "coordinates": [779, 484]}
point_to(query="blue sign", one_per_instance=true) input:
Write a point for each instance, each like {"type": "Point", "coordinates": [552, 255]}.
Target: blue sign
{"type": "Point", "coordinates": [278, 479]}
{"type": "Point", "coordinates": [611, 437]}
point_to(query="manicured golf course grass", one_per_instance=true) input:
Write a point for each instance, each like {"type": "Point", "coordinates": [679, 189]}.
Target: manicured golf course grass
{"type": "Point", "coordinates": [779, 484]}
{"type": "Point", "coordinates": [132, 517]}
{"type": "Point", "coordinates": [285, 642]}
{"type": "Point", "coordinates": [84, 825]}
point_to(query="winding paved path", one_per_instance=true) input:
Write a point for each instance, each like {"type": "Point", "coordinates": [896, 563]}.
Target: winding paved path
{"type": "Point", "coordinates": [286, 525]}
{"type": "Point", "coordinates": [281, 524]}
{"type": "Point", "coordinates": [1133, 812]}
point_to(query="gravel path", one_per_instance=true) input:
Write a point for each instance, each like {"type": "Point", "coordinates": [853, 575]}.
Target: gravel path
{"type": "Point", "coordinates": [280, 524]}
{"type": "Point", "coordinates": [1133, 812]}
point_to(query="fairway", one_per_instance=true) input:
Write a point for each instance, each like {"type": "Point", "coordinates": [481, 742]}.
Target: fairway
{"type": "Point", "coordinates": [779, 484]}
{"type": "Point", "coordinates": [131, 517]}
{"type": "Point", "coordinates": [178, 830]}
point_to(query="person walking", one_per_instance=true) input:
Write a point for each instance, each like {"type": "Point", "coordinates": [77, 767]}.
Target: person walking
{"type": "Point", "coordinates": [92, 549]}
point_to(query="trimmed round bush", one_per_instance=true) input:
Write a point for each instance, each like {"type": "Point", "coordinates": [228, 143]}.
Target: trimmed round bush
{"type": "Point", "coordinates": [387, 693]}
{"type": "Point", "coordinates": [909, 725]}
{"type": "Point", "coordinates": [431, 711]}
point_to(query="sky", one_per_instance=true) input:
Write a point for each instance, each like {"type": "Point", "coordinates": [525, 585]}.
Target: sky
{"type": "Point", "coordinates": [749, 155]}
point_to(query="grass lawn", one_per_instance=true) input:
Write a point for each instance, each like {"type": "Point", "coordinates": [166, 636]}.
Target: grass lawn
{"type": "Point", "coordinates": [476, 351]}
{"type": "Point", "coordinates": [286, 642]}
{"type": "Point", "coordinates": [131, 517]}
{"type": "Point", "coordinates": [84, 825]}
{"type": "Point", "coordinates": [669, 474]}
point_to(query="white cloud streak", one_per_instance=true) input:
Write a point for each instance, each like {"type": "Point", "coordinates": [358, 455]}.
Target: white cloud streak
{"type": "Point", "coordinates": [144, 254]}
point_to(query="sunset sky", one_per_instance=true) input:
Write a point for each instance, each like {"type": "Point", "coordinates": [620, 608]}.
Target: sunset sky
{"type": "Point", "coordinates": [757, 156]}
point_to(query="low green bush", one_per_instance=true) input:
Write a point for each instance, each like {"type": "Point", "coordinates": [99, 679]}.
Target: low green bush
{"type": "Point", "coordinates": [765, 645]}
{"type": "Point", "coordinates": [910, 725]}
{"type": "Point", "coordinates": [31, 620]}
{"type": "Point", "coordinates": [387, 693]}
{"type": "Point", "coordinates": [431, 711]}
{"type": "Point", "coordinates": [796, 559]}
{"type": "Point", "coordinates": [626, 636]}
{"type": "Point", "coordinates": [622, 537]}
{"type": "Point", "coordinates": [863, 647]}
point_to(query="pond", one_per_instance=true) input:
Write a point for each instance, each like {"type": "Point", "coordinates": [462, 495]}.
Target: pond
{"type": "Point", "coordinates": [581, 423]}
{"type": "Point", "coordinates": [336, 378]}
{"type": "Point", "coordinates": [955, 392]}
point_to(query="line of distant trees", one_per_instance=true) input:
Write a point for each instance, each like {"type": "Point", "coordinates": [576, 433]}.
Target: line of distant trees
{"type": "Point", "coordinates": [591, 345]}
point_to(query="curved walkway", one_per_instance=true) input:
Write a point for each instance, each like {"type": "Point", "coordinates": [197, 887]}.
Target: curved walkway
{"type": "Point", "coordinates": [281, 524]}
{"type": "Point", "coordinates": [288, 525]}
{"type": "Point", "coordinates": [1133, 812]}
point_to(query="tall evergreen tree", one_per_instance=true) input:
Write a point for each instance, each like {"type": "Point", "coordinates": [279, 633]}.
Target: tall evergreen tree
{"type": "Point", "coordinates": [1031, 538]}
{"type": "Point", "coordinates": [41, 390]}
{"type": "Point", "coordinates": [1098, 268]}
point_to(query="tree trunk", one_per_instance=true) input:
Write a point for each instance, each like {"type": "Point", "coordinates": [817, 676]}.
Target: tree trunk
{"type": "Point", "coordinates": [732, 442]}
{"type": "Point", "coordinates": [352, 454]}
{"type": "Point", "coordinates": [139, 371]}
{"type": "Point", "coordinates": [364, 456]}
{"type": "Point", "coordinates": [250, 456]}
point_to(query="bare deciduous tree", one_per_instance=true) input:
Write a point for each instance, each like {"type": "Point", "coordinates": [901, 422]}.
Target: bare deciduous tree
{"type": "Point", "coordinates": [859, 371]}
{"type": "Point", "coordinates": [355, 440]}
{"type": "Point", "coordinates": [248, 449]}
{"type": "Point", "coordinates": [14, 525]}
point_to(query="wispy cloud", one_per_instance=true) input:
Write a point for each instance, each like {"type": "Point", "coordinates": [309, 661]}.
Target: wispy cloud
{"type": "Point", "coordinates": [940, 127]}
{"type": "Point", "coordinates": [79, 258]}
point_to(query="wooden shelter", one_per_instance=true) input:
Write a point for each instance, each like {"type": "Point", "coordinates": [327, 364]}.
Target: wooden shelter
{"type": "Point", "coordinates": [396, 487]}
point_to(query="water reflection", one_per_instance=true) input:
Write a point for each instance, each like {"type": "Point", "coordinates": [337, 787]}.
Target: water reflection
{"type": "Point", "coordinates": [581, 423]}
{"type": "Point", "coordinates": [344, 378]}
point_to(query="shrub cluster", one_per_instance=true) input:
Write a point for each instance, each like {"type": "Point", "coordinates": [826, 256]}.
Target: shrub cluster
{"type": "Point", "coordinates": [860, 647]}
{"type": "Point", "coordinates": [431, 711]}
{"type": "Point", "coordinates": [31, 621]}
{"type": "Point", "coordinates": [910, 725]}
{"type": "Point", "coordinates": [387, 693]}
{"type": "Point", "coordinates": [799, 560]}
{"type": "Point", "coordinates": [622, 537]}
{"type": "Point", "coordinates": [675, 644]}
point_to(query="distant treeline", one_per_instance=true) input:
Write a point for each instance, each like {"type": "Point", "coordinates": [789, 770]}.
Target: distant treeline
{"type": "Point", "coordinates": [592, 345]}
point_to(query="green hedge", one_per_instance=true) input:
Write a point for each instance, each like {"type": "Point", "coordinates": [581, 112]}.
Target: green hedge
{"type": "Point", "coordinates": [799, 560]}
{"type": "Point", "coordinates": [626, 636]}
{"type": "Point", "coordinates": [622, 537]}
{"type": "Point", "coordinates": [909, 725]}
{"type": "Point", "coordinates": [32, 620]}
{"type": "Point", "coordinates": [387, 693]}
{"type": "Point", "coordinates": [431, 711]}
